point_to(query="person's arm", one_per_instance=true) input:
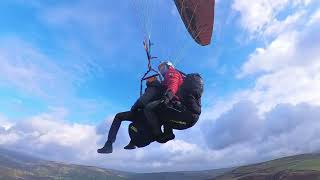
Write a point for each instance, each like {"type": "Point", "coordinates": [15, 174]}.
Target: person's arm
{"type": "Point", "coordinates": [173, 81]}
{"type": "Point", "coordinates": [152, 91]}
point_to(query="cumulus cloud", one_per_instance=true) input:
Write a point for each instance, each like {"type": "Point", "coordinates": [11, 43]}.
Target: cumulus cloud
{"type": "Point", "coordinates": [235, 126]}
{"type": "Point", "coordinates": [285, 130]}
{"type": "Point", "coordinates": [294, 48]}
{"type": "Point", "coordinates": [278, 116]}
{"type": "Point", "coordinates": [315, 17]}
{"type": "Point", "coordinates": [5, 124]}
{"type": "Point", "coordinates": [256, 14]}
{"type": "Point", "coordinates": [287, 69]}
{"type": "Point", "coordinates": [259, 16]}
{"type": "Point", "coordinates": [237, 137]}
{"type": "Point", "coordinates": [50, 136]}
{"type": "Point", "coordinates": [45, 136]}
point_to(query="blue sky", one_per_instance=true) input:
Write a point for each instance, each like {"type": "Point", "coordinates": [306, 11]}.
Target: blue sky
{"type": "Point", "coordinates": [101, 49]}
{"type": "Point", "coordinates": [75, 64]}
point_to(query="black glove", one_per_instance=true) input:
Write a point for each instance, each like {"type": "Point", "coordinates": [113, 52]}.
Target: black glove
{"type": "Point", "coordinates": [165, 100]}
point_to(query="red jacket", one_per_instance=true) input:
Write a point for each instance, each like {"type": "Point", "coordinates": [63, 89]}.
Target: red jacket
{"type": "Point", "coordinates": [172, 80]}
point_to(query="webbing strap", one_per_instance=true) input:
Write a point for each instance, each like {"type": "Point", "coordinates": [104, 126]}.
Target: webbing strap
{"type": "Point", "coordinates": [147, 46]}
{"type": "Point", "coordinates": [179, 122]}
{"type": "Point", "coordinates": [134, 129]}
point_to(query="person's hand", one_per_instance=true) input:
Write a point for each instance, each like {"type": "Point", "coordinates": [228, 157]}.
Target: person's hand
{"type": "Point", "coordinates": [165, 100]}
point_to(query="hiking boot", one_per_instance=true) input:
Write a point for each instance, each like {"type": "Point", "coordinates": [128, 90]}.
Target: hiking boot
{"type": "Point", "coordinates": [166, 137]}
{"type": "Point", "coordinates": [106, 149]}
{"type": "Point", "coordinates": [131, 145]}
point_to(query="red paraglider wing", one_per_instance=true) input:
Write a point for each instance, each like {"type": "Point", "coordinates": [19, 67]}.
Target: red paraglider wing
{"type": "Point", "coordinates": [198, 17]}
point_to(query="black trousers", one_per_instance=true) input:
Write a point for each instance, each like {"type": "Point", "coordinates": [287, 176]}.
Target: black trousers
{"type": "Point", "coordinates": [116, 123]}
{"type": "Point", "coordinates": [153, 120]}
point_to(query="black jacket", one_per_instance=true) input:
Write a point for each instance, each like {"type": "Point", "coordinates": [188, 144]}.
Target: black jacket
{"type": "Point", "coordinates": [153, 91]}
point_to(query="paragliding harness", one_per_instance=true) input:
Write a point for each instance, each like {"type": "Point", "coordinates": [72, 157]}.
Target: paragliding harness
{"type": "Point", "coordinates": [147, 46]}
{"type": "Point", "coordinates": [190, 93]}
{"type": "Point", "coordinates": [139, 132]}
{"type": "Point", "coordinates": [140, 135]}
{"type": "Point", "coordinates": [192, 85]}
{"type": "Point", "coordinates": [192, 88]}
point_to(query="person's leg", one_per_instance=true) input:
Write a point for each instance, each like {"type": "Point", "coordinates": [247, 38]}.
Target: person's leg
{"type": "Point", "coordinates": [115, 126]}
{"type": "Point", "coordinates": [131, 145]}
{"type": "Point", "coordinates": [152, 119]}
{"type": "Point", "coordinates": [140, 118]}
{"type": "Point", "coordinates": [116, 123]}
{"type": "Point", "coordinates": [168, 135]}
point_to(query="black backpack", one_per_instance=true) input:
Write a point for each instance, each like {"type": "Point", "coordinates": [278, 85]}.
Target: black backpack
{"type": "Point", "coordinates": [192, 88]}
{"type": "Point", "coordinates": [140, 134]}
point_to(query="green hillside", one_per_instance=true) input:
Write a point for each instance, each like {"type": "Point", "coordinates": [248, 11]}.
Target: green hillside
{"type": "Point", "coordinates": [14, 165]}
{"type": "Point", "coordinates": [304, 167]}
{"type": "Point", "coordinates": [18, 166]}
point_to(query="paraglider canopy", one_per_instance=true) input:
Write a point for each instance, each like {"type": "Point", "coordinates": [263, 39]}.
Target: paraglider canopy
{"type": "Point", "coordinates": [198, 17]}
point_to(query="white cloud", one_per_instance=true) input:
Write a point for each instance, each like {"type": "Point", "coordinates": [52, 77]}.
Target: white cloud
{"type": "Point", "coordinates": [285, 97]}
{"type": "Point", "coordinates": [278, 54]}
{"type": "Point", "coordinates": [234, 126]}
{"type": "Point", "coordinates": [292, 21]}
{"type": "Point", "coordinates": [261, 17]}
{"type": "Point", "coordinates": [52, 138]}
{"type": "Point", "coordinates": [179, 147]}
{"type": "Point", "coordinates": [315, 18]}
{"type": "Point", "coordinates": [285, 130]}
{"type": "Point", "coordinates": [256, 14]}
{"type": "Point", "coordinates": [292, 85]}
{"type": "Point", "coordinates": [288, 49]}
{"type": "Point", "coordinates": [4, 123]}
{"type": "Point", "coordinates": [289, 69]}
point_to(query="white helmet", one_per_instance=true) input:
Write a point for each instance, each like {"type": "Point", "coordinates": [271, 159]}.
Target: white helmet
{"type": "Point", "coordinates": [164, 66]}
